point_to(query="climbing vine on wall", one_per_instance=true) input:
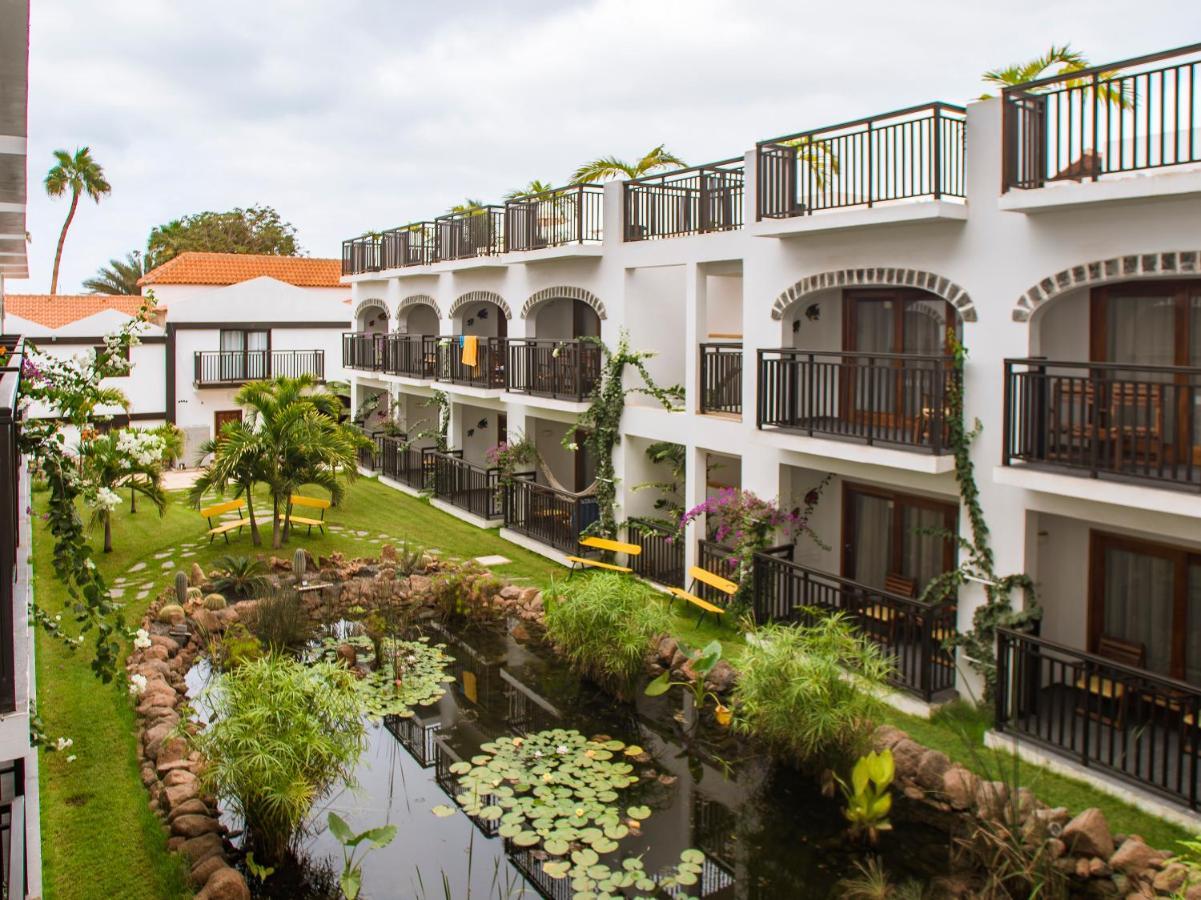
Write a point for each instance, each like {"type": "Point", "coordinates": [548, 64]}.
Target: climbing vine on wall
{"type": "Point", "coordinates": [979, 643]}
{"type": "Point", "coordinates": [601, 422]}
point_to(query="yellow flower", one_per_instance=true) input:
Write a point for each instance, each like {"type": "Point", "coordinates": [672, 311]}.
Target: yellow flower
{"type": "Point", "coordinates": [723, 715]}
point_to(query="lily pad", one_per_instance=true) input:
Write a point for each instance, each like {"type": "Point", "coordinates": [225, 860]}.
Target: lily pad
{"type": "Point", "coordinates": [442, 811]}
{"type": "Point", "coordinates": [639, 812]}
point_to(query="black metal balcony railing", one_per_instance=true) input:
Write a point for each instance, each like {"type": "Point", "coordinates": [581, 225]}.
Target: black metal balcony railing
{"type": "Point", "coordinates": [910, 154]}
{"type": "Point", "coordinates": [11, 359]}
{"type": "Point", "coordinates": [1121, 117]}
{"type": "Point", "coordinates": [662, 556]}
{"type": "Point", "coordinates": [225, 367]}
{"type": "Point", "coordinates": [721, 378]}
{"type": "Point", "coordinates": [549, 516]}
{"type": "Point", "coordinates": [877, 398]}
{"type": "Point", "coordinates": [911, 633]}
{"type": "Point", "coordinates": [409, 245]}
{"type": "Point", "coordinates": [570, 215]}
{"type": "Point", "coordinates": [361, 254]}
{"type": "Point", "coordinates": [566, 370]}
{"type": "Point", "coordinates": [410, 355]}
{"type": "Point", "coordinates": [688, 201]}
{"type": "Point", "coordinates": [371, 458]}
{"type": "Point", "coordinates": [361, 350]}
{"type": "Point", "coordinates": [472, 488]}
{"type": "Point", "coordinates": [12, 841]}
{"type": "Point", "coordinates": [471, 233]}
{"type": "Point", "coordinates": [1124, 721]}
{"type": "Point", "coordinates": [409, 465]}
{"type": "Point", "coordinates": [722, 560]}
{"type": "Point", "coordinates": [1105, 419]}
{"type": "Point", "coordinates": [488, 370]}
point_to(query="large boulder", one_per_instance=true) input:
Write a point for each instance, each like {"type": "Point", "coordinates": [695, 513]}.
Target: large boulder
{"type": "Point", "coordinates": [193, 807]}
{"type": "Point", "coordinates": [191, 826]}
{"type": "Point", "coordinates": [959, 787]}
{"type": "Point", "coordinates": [1088, 835]}
{"type": "Point", "coordinates": [203, 871]}
{"type": "Point", "coordinates": [198, 849]}
{"type": "Point", "coordinates": [1135, 856]}
{"type": "Point", "coordinates": [225, 884]}
{"type": "Point", "coordinates": [930, 770]}
{"type": "Point", "coordinates": [721, 678]}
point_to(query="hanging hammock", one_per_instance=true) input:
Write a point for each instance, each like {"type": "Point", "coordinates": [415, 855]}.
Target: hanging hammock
{"type": "Point", "coordinates": [554, 482]}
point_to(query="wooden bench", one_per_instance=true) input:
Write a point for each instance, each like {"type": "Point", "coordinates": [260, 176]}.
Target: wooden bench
{"type": "Point", "coordinates": [1107, 689]}
{"type": "Point", "coordinates": [704, 576]}
{"type": "Point", "coordinates": [307, 503]}
{"type": "Point", "coordinates": [602, 545]}
{"type": "Point", "coordinates": [223, 528]}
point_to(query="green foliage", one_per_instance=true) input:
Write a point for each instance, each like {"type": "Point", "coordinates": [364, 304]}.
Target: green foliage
{"type": "Point", "coordinates": [235, 647]}
{"type": "Point", "coordinates": [601, 421]}
{"type": "Point", "coordinates": [214, 602]}
{"type": "Point", "coordinates": [77, 174]}
{"type": "Point", "coordinates": [352, 865]}
{"type": "Point", "coordinates": [604, 624]}
{"type": "Point", "coordinates": [870, 882]}
{"type": "Point", "coordinates": [592, 878]}
{"type": "Point", "coordinates": [401, 675]}
{"type": "Point", "coordinates": [119, 277]}
{"type": "Point", "coordinates": [241, 576]}
{"type": "Point", "coordinates": [604, 168]}
{"type": "Point", "coordinates": [867, 796]}
{"type": "Point", "coordinates": [282, 734]}
{"type": "Point", "coordinates": [279, 621]}
{"type": "Point", "coordinates": [463, 594]}
{"type": "Point", "coordinates": [667, 504]}
{"type": "Point", "coordinates": [1063, 60]}
{"type": "Point", "coordinates": [702, 663]}
{"type": "Point", "coordinates": [256, 229]}
{"type": "Point", "coordinates": [793, 692]}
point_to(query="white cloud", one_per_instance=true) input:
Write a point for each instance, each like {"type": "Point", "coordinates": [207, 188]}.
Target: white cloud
{"type": "Point", "coordinates": [354, 115]}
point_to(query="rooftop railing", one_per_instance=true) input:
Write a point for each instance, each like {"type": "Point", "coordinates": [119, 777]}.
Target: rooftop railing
{"type": "Point", "coordinates": [361, 254]}
{"type": "Point", "coordinates": [409, 245]}
{"type": "Point", "coordinates": [911, 154]}
{"type": "Point", "coordinates": [470, 233]}
{"type": "Point", "coordinates": [557, 218]}
{"type": "Point", "coordinates": [1128, 116]}
{"type": "Point", "coordinates": [698, 200]}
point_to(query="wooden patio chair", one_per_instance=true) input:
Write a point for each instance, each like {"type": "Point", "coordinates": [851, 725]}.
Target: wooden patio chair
{"type": "Point", "coordinates": [1106, 689]}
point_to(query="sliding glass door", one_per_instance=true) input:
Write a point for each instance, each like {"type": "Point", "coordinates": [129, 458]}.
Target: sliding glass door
{"type": "Point", "coordinates": [896, 538]}
{"type": "Point", "coordinates": [245, 355]}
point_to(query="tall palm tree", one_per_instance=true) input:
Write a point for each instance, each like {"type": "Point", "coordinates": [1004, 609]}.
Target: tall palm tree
{"type": "Point", "coordinates": [605, 168]}
{"type": "Point", "coordinates": [535, 187]}
{"type": "Point", "coordinates": [1056, 61]}
{"type": "Point", "coordinates": [119, 276]}
{"type": "Point", "coordinates": [239, 461]}
{"type": "Point", "coordinates": [104, 465]}
{"type": "Point", "coordinates": [818, 156]}
{"type": "Point", "coordinates": [79, 174]}
{"type": "Point", "coordinates": [469, 205]}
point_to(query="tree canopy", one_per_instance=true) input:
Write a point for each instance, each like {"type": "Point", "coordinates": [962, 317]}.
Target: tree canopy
{"type": "Point", "coordinates": [255, 229]}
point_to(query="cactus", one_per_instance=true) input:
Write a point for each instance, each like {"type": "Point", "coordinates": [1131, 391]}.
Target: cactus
{"type": "Point", "coordinates": [195, 593]}
{"type": "Point", "coordinates": [214, 602]}
{"type": "Point", "coordinates": [299, 560]}
{"type": "Point", "coordinates": [181, 588]}
{"type": "Point", "coordinates": [171, 614]}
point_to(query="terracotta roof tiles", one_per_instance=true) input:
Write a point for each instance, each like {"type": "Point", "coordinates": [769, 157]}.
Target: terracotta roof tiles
{"type": "Point", "coordinates": [57, 310]}
{"type": "Point", "coordinates": [233, 268]}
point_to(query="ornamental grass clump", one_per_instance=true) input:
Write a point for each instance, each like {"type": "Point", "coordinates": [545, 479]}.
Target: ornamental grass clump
{"type": "Point", "coordinates": [811, 692]}
{"type": "Point", "coordinates": [283, 734]}
{"type": "Point", "coordinates": [604, 624]}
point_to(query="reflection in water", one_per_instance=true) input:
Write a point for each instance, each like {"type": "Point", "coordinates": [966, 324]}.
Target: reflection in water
{"type": "Point", "coordinates": [765, 831]}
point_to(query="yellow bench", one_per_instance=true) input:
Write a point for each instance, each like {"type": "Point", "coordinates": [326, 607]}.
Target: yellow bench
{"type": "Point", "coordinates": [225, 527]}
{"type": "Point", "coordinates": [704, 576]}
{"type": "Point", "coordinates": [308, 503]}
{"type": "Point", "coordinates": [603, 545]}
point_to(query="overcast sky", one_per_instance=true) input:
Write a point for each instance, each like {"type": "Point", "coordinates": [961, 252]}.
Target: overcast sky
{"type": "Point", "coordinates": [348, 116]}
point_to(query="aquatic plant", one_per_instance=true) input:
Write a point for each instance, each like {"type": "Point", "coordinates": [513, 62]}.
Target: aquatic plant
{"type": "Point", "coordinates": [592, 878]}
{"type": "Point", "coordinates": [702, 662]}
{"type": "Point", "coordinates": [871, 882]}
{"type": "Point", "coordinates": [240, 576]}
{"type": "Point", "coordinates": [603, 625]}
{"type": "Point", "coordinates": [282, 734]}
{"type": "Point", "coordinates": [867, 796]}
{"type": "Point", "coordinates": [279, 620]}
{"type": "Point", "coordinates": [351, 879]}
{"type": "Point", "coordinates": [405, 674]}
{"type": "Point", "coordinates": [464, 594]}
{"type": "Point", "coordinates": [810, 691]}
{"type": "Point", "coordinates": [235, 646]}
{"type": "Point", "coordinates": [556, 788]}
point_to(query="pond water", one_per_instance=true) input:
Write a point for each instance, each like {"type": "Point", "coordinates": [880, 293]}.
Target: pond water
{"type": "Point", "coordinates": [765, 829]}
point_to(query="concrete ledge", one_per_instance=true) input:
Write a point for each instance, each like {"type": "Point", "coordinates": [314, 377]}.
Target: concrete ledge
{"type": "Point", "coordinates": [535, 547]}
{"type": "Point", "coordinates": [1177, 502]}
{"type": "Point", "coordinates": [467, 517]}
{"type": "Point", "coordinates": [1150, 185]}
{"type": "Point", "coordinates": [900, 213]}
{"type": "Point", "coordinates": [463, 390]}
{"type": "Point", "coordinates": [874, 455]}
{"type": "Point", "coordinates": [533, 401]}
{"type": "Point", "coordinates": [1115, 787]}
{"type": "Point", "coordinates": [553, 254]}
{"type": "Point", "coordinates": [403, 488]}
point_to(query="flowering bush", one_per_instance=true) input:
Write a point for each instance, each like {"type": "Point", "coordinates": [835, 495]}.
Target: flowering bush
{"type": "Point", "coordinates": [137, 684]}
{"type": "Point", "coordinates": [509, 456]}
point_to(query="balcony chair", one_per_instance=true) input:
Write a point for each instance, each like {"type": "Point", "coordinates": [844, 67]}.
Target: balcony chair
{"type": "Point", "coordinates": [1133, 418]}
{"type": "Point", "coordinates": [1104, 688]}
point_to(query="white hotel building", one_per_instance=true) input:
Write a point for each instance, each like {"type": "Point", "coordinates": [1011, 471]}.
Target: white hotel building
{"type": "Point", "coordinates": [805, 310]}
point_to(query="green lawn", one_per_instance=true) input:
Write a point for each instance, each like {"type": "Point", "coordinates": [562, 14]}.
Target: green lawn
{"type": "Point", "coordinates": [100, 838]}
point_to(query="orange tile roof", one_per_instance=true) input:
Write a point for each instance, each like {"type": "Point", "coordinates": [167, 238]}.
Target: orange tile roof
{"type": "Point", "coordinates": [57, 310]}
{"type": "Point", "coordinates": [232, 268]}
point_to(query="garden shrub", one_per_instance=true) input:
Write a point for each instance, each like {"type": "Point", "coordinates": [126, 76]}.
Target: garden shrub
{"type": "Point", "coordinates": [604, 624]}
{"type": "Point", "coordinates": [464, 594]}
{"type": "Point", "coordinates": [282, 734]}
{"type": "Point", "coordinates": [279, 620]}
{"type": "Point", "coordinates": [794, 693]}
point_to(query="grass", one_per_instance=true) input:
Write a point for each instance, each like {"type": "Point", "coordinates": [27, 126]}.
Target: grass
{"type": "Point", "coordinates": [94, 810]}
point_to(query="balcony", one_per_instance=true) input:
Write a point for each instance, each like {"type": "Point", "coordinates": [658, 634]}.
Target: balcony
{"type": "Point", "coordinates": [1118, 719]}
{"type": "Point", "coordinates": [487, 372]}
{"type": "Point", "coordinates": [721, 379]}
{"type": "Point", "coordinates": [662, 556]}
{"type": "Point", "coordinates": [549, 516]}
{"type": "Point", "coordinates": [1105, 420]}
{"type": "Point", "coordinates": [360, 255]}
{"type": "Point", "coordinates": [361, 350]}
{"type": "Point", "coordinates": [409, 245]}
{"type": "Point", "coordinates": [560, 218]}
{"type": "Point", "coordinates": [699, 200]}
{"type": "Point", "coordinates": [11, 358]}
{"type": "Point", "coordinates": [410, 355]}
{"type": "Point", "coordinates": [563, 370]}
{"type": "Point", "coordinates": [466, 486]}
{"type": "Point", "coordinates": [470, 234]}
{"type": "Point", "coordinates": [906, 165]}
{"type": "Point", "coordinates": [226, 368]}
{"type": "Point", "coordinates": [911, 633]}
{"type": "Point", "coordinates": [891, 399]}
{"type": "Point", "coordinates": [409, 465]}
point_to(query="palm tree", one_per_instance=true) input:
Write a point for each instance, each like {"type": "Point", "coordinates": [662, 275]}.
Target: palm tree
{"type": "Point", "coordinates": [817, 156]}
{"type": "Point", "coordinates": [239, 460]}
{"type": "Point", "coordinates": [1056, 61]}
{"type": "Point", "coordinates": [605, 168]}
{"type": "Point", "coordinates": [535, 187]}
{"type": "Point", "coordinates": [78, 174]}
{"type": "Point", "coordinates": [469, 205]}
{"type": "Point", "coordinates": [105, 466]}
{"type": "Point", "coordinates": [119, 276]}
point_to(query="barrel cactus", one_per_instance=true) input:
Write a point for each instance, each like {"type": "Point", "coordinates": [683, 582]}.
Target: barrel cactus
{"type": "Point", "coordinates": [214, 602]}
{"type": "Point", "coordinates": [194, 594]}
{"type": "Point", "coordinates": [181, 588]}
{"type": "Point", "coordinates": [171, 614]}
{"type": "Point", "coordinates": [299, 561]}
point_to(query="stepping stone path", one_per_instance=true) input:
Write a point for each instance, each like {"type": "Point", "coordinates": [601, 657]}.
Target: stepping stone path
{"type": "Point", "coordinates": [167, 564]}
{"type": "Point", "coordinates": [162, 555]}
{"type": "Point", "coordinates": [137, 567]}
{"type": "Point", "coordinates": [361, 533]}
{"type": "Point", "coordinates": [142, 595]}
{"type": "Point", "coordinates": [494, 560]}
{"type": "Point", "coordinates": [119, 580]}
{"type": "Point", "coordinates": [116, 592]}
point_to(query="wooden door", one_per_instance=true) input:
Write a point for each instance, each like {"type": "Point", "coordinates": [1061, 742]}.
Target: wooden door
{"type": "Point", "coordinates": [222, 416]}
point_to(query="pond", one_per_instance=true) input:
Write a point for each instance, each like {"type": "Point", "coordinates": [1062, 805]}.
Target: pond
{"type": "Point", "coordinates": [764, 829]}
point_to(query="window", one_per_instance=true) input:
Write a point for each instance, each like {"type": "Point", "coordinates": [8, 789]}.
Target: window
{"type": "Point", "coordinates": [245, 355]}
{"type": "Point", "coordinates": [890, 534]}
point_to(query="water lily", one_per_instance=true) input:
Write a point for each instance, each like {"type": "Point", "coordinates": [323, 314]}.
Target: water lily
{"type": "Point", "coordinates": [561, 749]}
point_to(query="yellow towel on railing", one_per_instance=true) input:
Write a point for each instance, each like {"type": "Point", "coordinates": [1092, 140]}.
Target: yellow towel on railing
{"type": "Point", "coordinates": [470, 350]}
